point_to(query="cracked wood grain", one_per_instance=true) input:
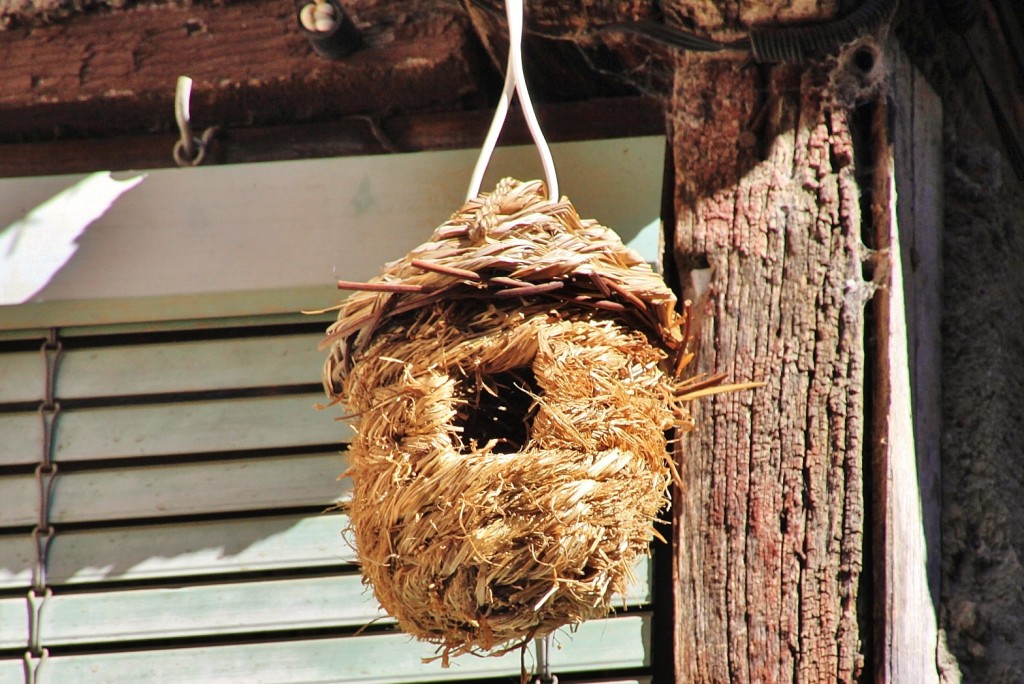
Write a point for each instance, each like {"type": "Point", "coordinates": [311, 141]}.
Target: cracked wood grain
{"type": "Point", "coordinates": [769, 528]}
{"type": "Point", "coordinates": [250, 64]}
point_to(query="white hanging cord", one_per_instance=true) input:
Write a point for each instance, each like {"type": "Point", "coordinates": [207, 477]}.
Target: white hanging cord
{"type": "Point", "coordinates": [186, 147]}
{"type": "Point", "coordinates": [515, 81]}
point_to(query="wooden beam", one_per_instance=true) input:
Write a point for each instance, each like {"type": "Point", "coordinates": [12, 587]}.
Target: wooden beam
{"type": "Point", "coordinates": [354, 135]}
{"type": "Point", "coordinates": [249, 61]}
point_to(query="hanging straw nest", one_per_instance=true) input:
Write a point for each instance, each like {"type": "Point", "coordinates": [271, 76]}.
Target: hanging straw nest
{"type": "Point", "coordinates": [511, 383]}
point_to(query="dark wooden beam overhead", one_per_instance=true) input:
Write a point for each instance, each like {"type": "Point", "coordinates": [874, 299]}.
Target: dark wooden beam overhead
{"type": "Point", "coordinates": [114, 72]}
{"type": "Point", "coordinates": [354, 135]}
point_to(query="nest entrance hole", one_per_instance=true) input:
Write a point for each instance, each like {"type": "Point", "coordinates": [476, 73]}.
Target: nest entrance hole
{"type": "Point", "coordinates": [502, 409]}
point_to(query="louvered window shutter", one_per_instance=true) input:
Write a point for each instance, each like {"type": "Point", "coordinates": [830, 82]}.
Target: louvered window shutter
{"type": "Point", "coordinates": [164, 477]}
{"type": "Point", "coordinates": [186, 538]}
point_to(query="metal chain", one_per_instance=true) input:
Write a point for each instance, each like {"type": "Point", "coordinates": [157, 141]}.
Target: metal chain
{"type": "Point", "coordinates": [44, 531]}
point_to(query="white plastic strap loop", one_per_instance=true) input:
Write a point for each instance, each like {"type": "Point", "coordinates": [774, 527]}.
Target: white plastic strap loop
{"type": "Point", "coordinates": [515, 81]}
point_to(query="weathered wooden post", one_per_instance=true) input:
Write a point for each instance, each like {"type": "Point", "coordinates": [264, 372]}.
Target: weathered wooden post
{"type": "Point", "coordinates": [801, 538]}
{"type": "Point", "coordinates": [770, 239]}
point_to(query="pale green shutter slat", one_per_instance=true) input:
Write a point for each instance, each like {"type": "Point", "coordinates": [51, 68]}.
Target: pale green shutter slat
{"type": "Point", "coordinates": [19, 496]}
{"type": "Point", "coordinates": [165, 429]}
{"type": "Point", "coordinates": [615, 643]}
{"type": "Point", "coordinates": [177, 551]}
{"type": "Point", "coordinates": [190, 427]}
{"type": "Point", "coordinates": [21, 377]}
{"type": "Point", "coordinates": [218, 486]}
{"type": "Point", "coordinates": [17, 554]}
{"type": "Point", "coordinates": [12, 671]}
{"type": "Point", "coordinates": [171, 551]}
{"type": "Point", "coordinates": [241, 607]}
{"type": "Point", "coordinates": [189, 366]}
{"type": "Point", "coordinates": [13, 622]}
{"type": "Point", "coordinates": [230, 323]}
{"type": "Point", "coordinates": [21, 436]}
{"type": "Point", "coordinates": [235, 608]}
{"type": "Point", "coordinates": [640, 592]}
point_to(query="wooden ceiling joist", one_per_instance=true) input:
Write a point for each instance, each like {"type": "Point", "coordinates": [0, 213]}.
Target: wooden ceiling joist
{"type": "Point", "coordinates": [353, 135]}
{"type": "Point", "coordinates": [115, 71]}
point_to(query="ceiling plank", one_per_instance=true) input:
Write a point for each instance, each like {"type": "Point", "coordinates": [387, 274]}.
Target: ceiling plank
{"type": "Point", "coordinates": [249, 61]}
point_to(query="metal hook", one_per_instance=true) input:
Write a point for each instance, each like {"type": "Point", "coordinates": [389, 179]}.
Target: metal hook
{"type": "Point", "coordinates": [189, 150]}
